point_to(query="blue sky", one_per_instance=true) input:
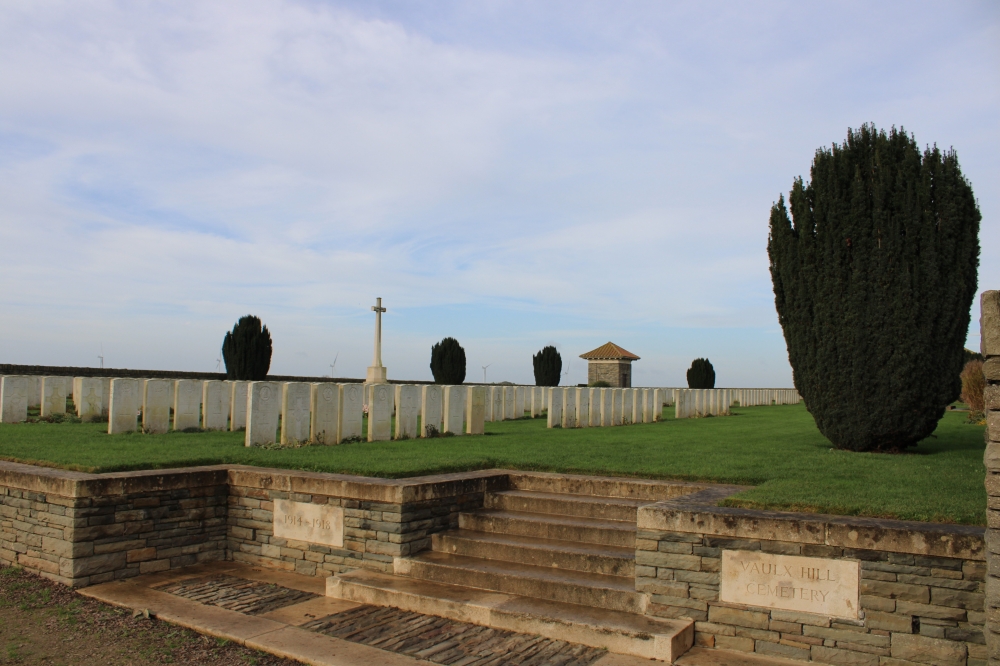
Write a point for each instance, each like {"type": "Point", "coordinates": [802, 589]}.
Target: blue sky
{"type": "Point", "coordinates": [513, 174]}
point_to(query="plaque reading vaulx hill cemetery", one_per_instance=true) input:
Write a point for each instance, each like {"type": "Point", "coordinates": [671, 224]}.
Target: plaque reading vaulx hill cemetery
{"type": "Point", "coordinates": [788, 582]}
{"type": "Point", "coordinates": [314, 523]}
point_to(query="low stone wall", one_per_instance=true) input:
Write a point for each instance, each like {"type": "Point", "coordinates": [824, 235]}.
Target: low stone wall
{"type": "Point", "coordinates": [82, 529]}
{"type": "Point", "coordinates": [989, 324]}
{"type": "Point", "coordinates": [921, 585]}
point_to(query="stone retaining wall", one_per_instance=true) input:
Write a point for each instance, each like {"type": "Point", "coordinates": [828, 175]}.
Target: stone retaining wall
{"type": "Point", "coordinates": [922, 585]}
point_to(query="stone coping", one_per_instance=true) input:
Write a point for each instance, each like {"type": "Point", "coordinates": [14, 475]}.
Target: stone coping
{"type": "Point", "coordinates": [687, 515]}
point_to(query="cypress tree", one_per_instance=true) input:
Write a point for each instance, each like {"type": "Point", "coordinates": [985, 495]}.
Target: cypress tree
{"type": "Point", "coordinates": [246, 350]}
{"type": "Point", "coordinates": [448, 362]}
{"type": "Point", "coordinates": [874, 276]}
{"type": "Point", "coordinates": [701, 374]}
{"type": "Point", "coordinates": [548, 367]}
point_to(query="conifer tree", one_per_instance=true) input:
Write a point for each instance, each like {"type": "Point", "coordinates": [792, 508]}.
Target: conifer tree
{"type": "Point", "coordinates": [874, 276]}
{"type": "Point", "coordinates": [548, 366]}
{"type": "Point", "coordinates": [448, 362]}
{"type": "Point", "coordinates": [246, 350]}
{"type": "Point", "coordinates": [701, 374]}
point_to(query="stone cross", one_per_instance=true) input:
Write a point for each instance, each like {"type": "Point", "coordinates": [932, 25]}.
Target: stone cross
{"type": "Point", "coordinates": [377, 373]}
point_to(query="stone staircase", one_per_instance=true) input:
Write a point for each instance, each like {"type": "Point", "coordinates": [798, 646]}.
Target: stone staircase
{"type": "Point", "coordinates": [554, 555]}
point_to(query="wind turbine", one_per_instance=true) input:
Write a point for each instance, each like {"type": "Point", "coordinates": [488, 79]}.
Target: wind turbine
{"type": "Point", "coordinates": [484, 372]}
{"type": "Point", "coordinates": [101, 356]}
{"type": "Point", "coordinates": [333, 366]}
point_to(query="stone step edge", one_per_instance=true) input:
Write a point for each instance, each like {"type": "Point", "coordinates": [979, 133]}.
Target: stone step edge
{"type": "Point", "coordinates": [486, 609]}
{"type": "Point", "coordinates": [572, 497]}
{"type": "Point", "coordinates": [525, 550]}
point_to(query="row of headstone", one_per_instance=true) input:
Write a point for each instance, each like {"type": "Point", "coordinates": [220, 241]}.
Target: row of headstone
{"type": "Point", "coordinates": [692, 403]}
{"type": "Point", "coordinates": [330, 413]}
{"type": "Point", "coordinates": [591, 407]}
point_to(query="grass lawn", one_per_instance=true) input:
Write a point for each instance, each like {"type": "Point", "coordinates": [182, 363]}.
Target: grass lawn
{"type": "Point", "coordinates": [776, 449]}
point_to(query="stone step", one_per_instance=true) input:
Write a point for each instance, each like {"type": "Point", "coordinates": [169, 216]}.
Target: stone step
{"type": "Point", "coordinates": [563, 504]}
{"type": "Point", "coordinates": [547, 526]}
{"type": "Point", "coordinates": [603, 486]}
{"type": "Point", "coordinates": [524, 580]}
{"type": "Point", "coordinates": [620, 633]}
{"type": "Point", "coordinates": [592, 558]}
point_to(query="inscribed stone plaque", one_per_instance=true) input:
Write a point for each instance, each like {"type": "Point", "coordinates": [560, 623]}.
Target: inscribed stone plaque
{"type": "Point", "coordinates": [569, 408]}
{"type": "Point", "coordinates": [496, 403]}
{"type": "Point", "coordinates": [789, 582]}
{"type": "Point", "coordinates": [431, 410]}
{"type": "Point", "coordinates": [14, 398]}
{"type": "Point", "coordinates": [89, 406]}
{"type": "Point", "coordinates": [520, 399]}
{"type": "Point", "coordinates": [124, 402]}
{"type": "Point", "coordinates": [508, 403]}
{"type": "Point", "coordinates": [583, 408]}
{"type": "Point", "coordinates": [53, 396]}
{"type": "Point", "coordinates": [312, 523]}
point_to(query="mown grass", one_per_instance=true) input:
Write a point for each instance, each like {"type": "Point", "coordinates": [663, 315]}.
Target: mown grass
{"type": "Point", "coordinates": [776, 449]}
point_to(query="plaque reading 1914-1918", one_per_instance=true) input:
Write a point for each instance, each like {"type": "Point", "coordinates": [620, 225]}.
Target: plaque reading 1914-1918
{"type": "Point", "coordinates": [789, 582]}
{"type": "Point", "coordinates": [313, 523]}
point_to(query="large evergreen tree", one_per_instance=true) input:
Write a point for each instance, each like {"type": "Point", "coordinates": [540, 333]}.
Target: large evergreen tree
{"type": "Point", "coordinates": [701, 374]}
{"type": "Point", "coordinates": [246, 350]}
{"type": "Point", "coordinates": [548, 367]}
{"type": "Point", "coordinates": [874, 276]}
{"type": "Point", "coordinates": [448, 362]}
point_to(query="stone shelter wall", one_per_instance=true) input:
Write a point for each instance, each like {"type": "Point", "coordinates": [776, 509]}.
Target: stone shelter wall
{"type": "Point", "coordinates": [922, 586]}
{"type": "Point", "coordinates": [990, 346]}
{"type": "Point", "coordinates": [618, 374]}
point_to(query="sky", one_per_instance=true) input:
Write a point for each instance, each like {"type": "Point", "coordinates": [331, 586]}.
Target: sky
{"type": "Point", "coordinates": [511, 174]}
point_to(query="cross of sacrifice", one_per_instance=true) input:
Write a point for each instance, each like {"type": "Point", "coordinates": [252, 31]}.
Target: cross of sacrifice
{"type": "Point", "coordinates": [378, 309]}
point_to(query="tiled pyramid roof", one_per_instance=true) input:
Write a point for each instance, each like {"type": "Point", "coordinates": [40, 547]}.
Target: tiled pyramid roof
{"type": "Point", "coordinates": [609, 352]}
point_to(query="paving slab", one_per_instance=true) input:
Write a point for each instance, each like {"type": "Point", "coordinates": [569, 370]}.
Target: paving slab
{"type": "Point", "coordinates": [319, 650]}
{"type": "Point", "coordinates": [299, 614]}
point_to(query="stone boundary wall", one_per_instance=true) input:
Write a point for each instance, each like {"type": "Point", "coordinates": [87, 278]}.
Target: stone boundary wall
{"type": "Point", "coordinates": [922, 584]}
{"type": "Point", "coordinates": [82, 529]}
{"type": "Point", "coordinates": [989, 325]}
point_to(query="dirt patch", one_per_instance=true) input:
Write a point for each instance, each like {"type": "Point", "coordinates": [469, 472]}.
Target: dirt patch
{"type": "Point", "coordinates": [42, 622]}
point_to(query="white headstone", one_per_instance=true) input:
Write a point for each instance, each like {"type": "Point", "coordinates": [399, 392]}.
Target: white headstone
{"type": "Point", "coordinates": [569, 407]}
{"type": "Point", "coordinates": [496, 403]}
{"type": "Point", "coordinates": [607, 409]}
{"type": "Point", "coordinates": [380, 413]}
{"type": "Point", "coordinates": [431, 410]}
{"type": "Point", "coordinates": [407, 400]}
{"type": "Point", "coordinates": [508, 403]}
{"type": "Point", "coordinates": [594, 402]}
{"type": "Point", "coordinates": [34, 391]}
{"type": "Point", "coordinates": [475, 410]}
{"type": "Point", "coordinates": [238, 405]}
{"type": "Point", "coordinates": [124, 412]}
{"type": "Point", "coordinates": [537, 401]}
{"type": "Point", "coordinates": [53, 396]}
{"type": "Point", "coordinates": [627, 404]}
{"type": "Point", "coordinates": [520, 398]}
{"type": "Point", "coordinates": [77, 381]}
{"type": "Point", "coordinates": [156, 406]}
{"type": "Point", "coordinates": [352, 411]}
{"type": "Point", "coordinates": [89, 404]}
{"type": "Point", "coordinates": [14, 398]}
{"type": "Point", "coordinates": [583, 408]}
{"type": "Point", "coordinates": [263, 409]}
{"type": "Point", "coordinates": [214, 405]}
{"type": "Point", "coordinates": [554, 402]}
{"type": "Point", "coordinates": [324, 412]}
{"type": "Point", "coordinates": [454, 409]}
{"type": "Point", "coordinates": [295, 398]}
{"type": "Point", "coordinates": [187, 404]}
{"type": "Point", "coordinates": [616, 406]}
